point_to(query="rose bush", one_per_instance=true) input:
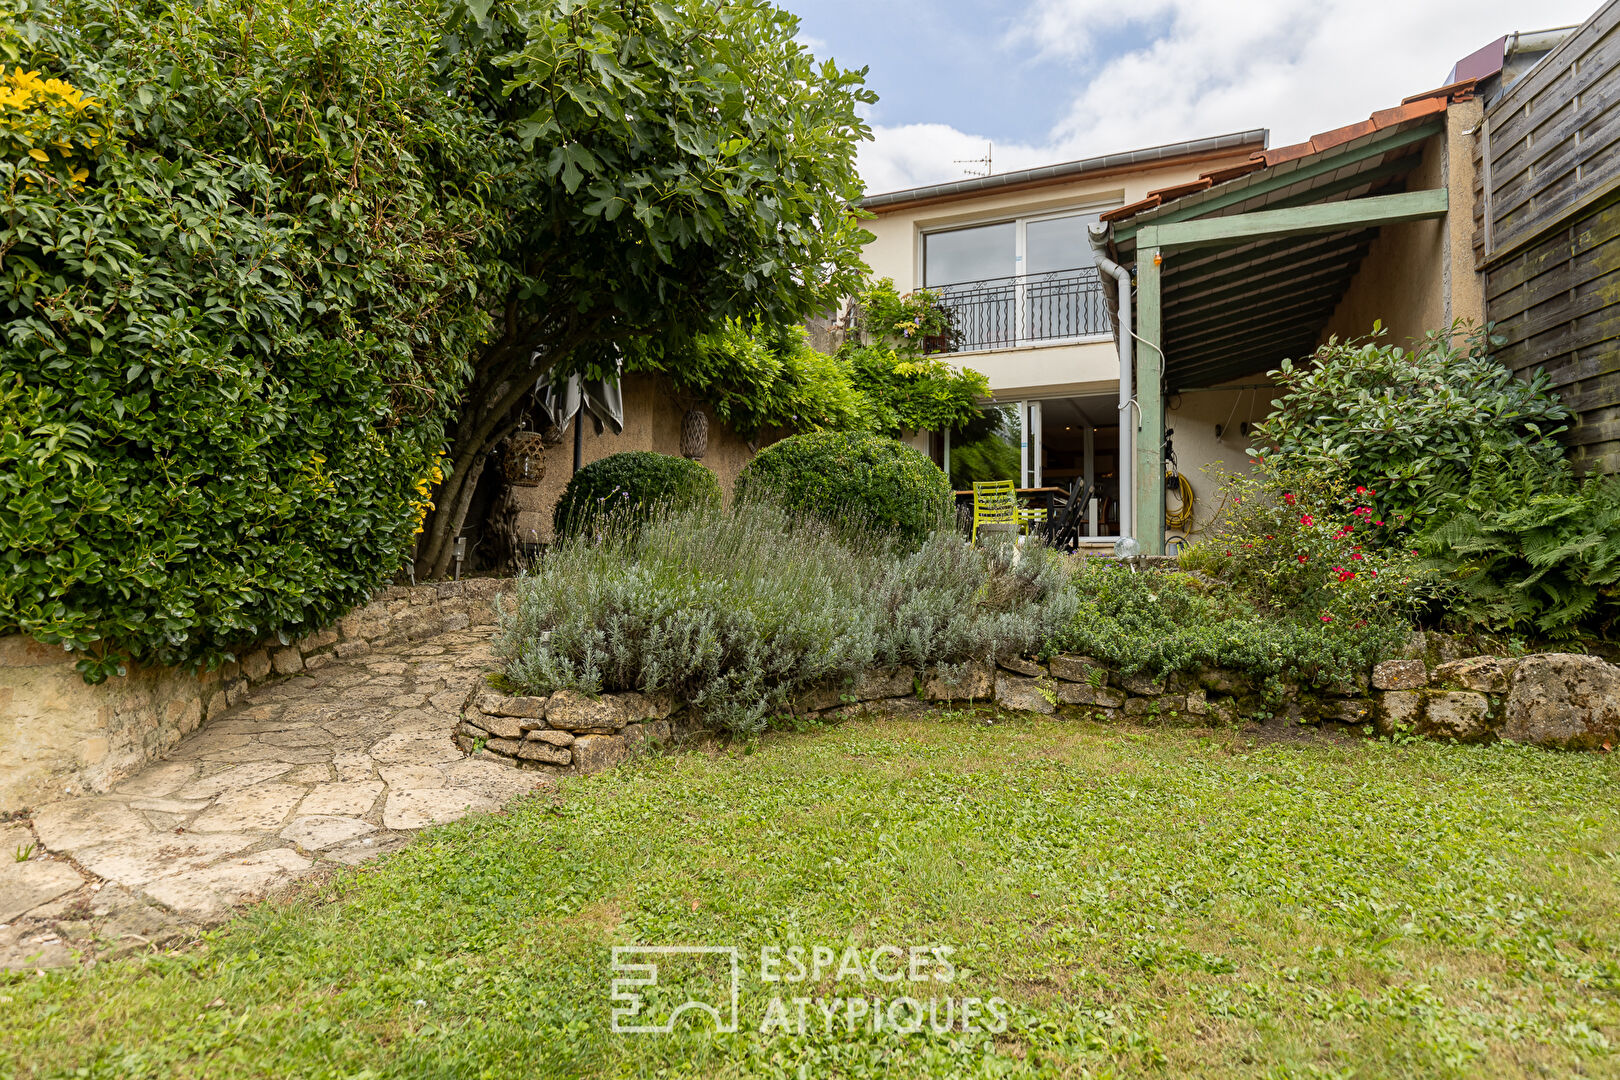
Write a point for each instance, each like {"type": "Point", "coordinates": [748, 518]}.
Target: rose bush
{"type": "Point", "coordinates": [1314, 549]}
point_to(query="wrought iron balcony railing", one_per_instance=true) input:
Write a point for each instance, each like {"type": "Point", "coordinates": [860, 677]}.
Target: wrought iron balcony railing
{"type": "Point", "coordinates": [1000, 313]}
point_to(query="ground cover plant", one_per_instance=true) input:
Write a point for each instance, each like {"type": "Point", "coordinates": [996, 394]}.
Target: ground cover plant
{"type": "Point", "coordinates": [1161, 623]}
{"type": "Point", "coordinates": [1173, 904]}
{"type": "Point", "coordinates": [1291, 582]}
{"type": "Point", "coordinates": [734, 612]}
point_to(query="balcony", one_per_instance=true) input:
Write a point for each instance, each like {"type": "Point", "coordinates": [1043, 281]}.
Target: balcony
{"type": "Point", "coordinates": [1009, 312]}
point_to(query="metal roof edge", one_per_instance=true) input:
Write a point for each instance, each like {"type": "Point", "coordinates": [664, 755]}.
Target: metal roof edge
{"type": "Point", "coordinates": [1151, 155]}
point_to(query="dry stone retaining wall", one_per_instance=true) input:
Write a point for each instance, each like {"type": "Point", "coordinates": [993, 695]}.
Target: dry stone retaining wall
{"type": "Point", "coordinates": [1554, 700]}
{"type": "Point", "coordinates": [59, 735]}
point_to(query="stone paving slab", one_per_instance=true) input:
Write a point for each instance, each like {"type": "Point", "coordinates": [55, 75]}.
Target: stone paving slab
{"type": "Point", "coordinates": [324, 769]}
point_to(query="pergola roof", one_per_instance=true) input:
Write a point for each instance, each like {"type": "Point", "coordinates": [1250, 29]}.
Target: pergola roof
{"type": "Point", "coordinates": [1236, 307]}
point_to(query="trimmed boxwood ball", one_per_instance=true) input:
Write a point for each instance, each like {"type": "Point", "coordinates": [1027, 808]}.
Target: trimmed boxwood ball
{"type": "Point", "coordinates": [629, 487]}
{"type": "Point", "coordinates": [845, 477]}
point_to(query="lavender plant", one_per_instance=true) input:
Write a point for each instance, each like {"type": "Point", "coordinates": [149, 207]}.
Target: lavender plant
{"type": "Point", "coordinates": [734, 612]}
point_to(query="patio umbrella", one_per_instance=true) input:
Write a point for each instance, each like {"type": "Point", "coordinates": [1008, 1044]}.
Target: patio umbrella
{"type": "Point", "coordinates": [601, 400]}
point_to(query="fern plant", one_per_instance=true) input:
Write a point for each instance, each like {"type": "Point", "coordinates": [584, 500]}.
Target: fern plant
{"type": "Point", "coordinates": [1532, 549]}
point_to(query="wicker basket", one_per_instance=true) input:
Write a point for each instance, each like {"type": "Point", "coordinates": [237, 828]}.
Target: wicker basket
{"type": "Point", "coordinates": [694, 434]}
{"type": "Point", "coordinates": [525, 464]}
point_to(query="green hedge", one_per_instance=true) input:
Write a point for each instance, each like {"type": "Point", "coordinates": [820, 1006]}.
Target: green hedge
{"type": "Point", "coordinates": [852, 478]}
{"type": "Point", "coordinates": [232, 341]}
{"type": "Point", "coordinates": [629, 487]}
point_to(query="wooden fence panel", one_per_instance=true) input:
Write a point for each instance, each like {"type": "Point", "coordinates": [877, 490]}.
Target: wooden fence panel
{"type": "Point", "coordinates": [1548, 229]}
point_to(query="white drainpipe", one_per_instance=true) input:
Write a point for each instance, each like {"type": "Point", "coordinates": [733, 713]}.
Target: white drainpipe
{"type": "Point", "coordinates": [1127, 395]}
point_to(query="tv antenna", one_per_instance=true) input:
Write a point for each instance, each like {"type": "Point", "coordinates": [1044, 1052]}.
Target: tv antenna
{"type": "Point", "coordinates": [981, 164]}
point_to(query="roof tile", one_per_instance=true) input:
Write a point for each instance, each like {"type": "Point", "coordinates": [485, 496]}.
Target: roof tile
{"type": "Point", "coordinates": [1413, 108]}
{"type": "Point", "coordinates": [1176, 191]}
{"type": "Point", "coordinates": [1120, 213]}
{"type": "Point", "coordinates": [1279, 154]}
{"type": "Point", "coordinates": [1341, 135]}
{"type": "Point", "coordinates": [1232, 172]}
{"type": "Point", "coordinates": [1461, 90]}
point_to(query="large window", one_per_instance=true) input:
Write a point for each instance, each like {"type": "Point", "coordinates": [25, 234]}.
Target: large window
{"type": "Point", "coordinates": [1016, 282]}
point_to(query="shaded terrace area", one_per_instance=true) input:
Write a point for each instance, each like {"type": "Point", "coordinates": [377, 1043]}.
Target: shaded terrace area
{"type": "Point", "coordinates": [1256, 263]}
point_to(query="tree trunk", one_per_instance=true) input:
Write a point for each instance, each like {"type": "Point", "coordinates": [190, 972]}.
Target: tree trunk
{"type": "Point", "coordinates": [506, 374]}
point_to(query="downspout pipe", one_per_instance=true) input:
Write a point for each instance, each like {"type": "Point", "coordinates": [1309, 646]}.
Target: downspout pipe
{"type": "Point", "coordinates": [1098, 235]}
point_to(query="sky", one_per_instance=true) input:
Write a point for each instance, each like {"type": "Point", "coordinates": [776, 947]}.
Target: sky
{"type": "Point", "coordinates": [1045, 81]}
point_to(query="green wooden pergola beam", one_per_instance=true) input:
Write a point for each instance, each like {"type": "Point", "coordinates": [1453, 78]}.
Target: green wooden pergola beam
{"type": "Point", "coordinates": [1149, 466]}
{"type": "Point", "coordinates": [1297, 220]}
{"type": "Point", "coordinates": [1257, 184]}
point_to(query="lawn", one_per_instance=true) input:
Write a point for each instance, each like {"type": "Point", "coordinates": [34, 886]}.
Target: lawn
{"type": "Point", "coordinates": [1165, 903]}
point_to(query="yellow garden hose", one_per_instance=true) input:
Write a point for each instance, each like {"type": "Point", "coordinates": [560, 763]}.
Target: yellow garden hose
{"type": "Point", "coordinates": [1177, 514]}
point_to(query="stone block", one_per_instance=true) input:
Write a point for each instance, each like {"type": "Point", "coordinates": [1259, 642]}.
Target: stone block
{"type": "Point", "coordinates": [1346, 711]}
{"type": "Point", "coordinates": [471, 731]}
{"type": "Point", "coordinates": [639, 707]}
{"type": "Point", "coordinates": [1398, 709]}
{"type": "Point", "coordinates": [1563, 700]}
{"type": "Point", "coordinates": [571, 710]}
{"type": "Point", "coordinates": [520, 707]}
{"type": "Point", "coordinates": [256, 665]}
{"type": "Point", "coordinates": [969, 682]}
{"type": "Point", "coordinates": [1198, 701]}
{"type": "Point", "coordinates": [502, 727]}
{"type": "Point", "coordinates": [1019, 666]}
{"type": "Point", "coordinates": [816, 699]}
{"type": "Point", "coordinates": [349, 650]}
{"type": "Point", "coordinates": [1070, 693]}
{"type": "Point", "coordinates": [554, 738]}
{"type": "Point", "coordinates": [1142, 685]}
{"type": "Point", "coordinates": [504, 747]}
{"type": "Point", "coordinates": [594, 753]}
{"type": "Point", "coordinates": [1023, 694]}
{"type": "Point", "coordinates": [316, 662]}
{"type": "Point", "coordinates": [317, 641]}
{"type": "Point", "coordinates": [288, 661]}
{"type": "Point", "coordinates": [1077, 669]}
{"type": "Point", "coordinates": [877, 683]}
{"type": "Point", "coordinates": [1482, 674]}
{"type": "Point", "coordinates": [1400, 675]}
{"type": "Point", "coordinates": [1459, 715]}
{"type": "Point", "coordinates": [1223, 682]}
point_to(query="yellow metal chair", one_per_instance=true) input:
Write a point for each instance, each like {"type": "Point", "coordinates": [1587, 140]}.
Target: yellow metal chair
{"type": "Point", "coordinates": [1031, 519]}
{"type": "Point", "coordinates": [994, 505]}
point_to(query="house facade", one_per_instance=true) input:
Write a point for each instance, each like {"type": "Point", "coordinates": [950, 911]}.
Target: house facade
{"type": "Point", "coordinates": [1010, 255]}
{"type": "Point", "coordinates": [1031, 263]}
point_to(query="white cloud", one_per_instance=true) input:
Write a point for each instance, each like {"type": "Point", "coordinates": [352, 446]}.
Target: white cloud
{"type": "Point", "coordinates": [1214, 66]}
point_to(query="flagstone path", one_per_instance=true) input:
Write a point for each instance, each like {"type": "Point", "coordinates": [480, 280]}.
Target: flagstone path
{"type": "Point", "coordinates": [323, 769]}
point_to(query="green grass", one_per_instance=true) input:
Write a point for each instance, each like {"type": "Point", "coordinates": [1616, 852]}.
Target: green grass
{"type": "Point", "coordinates": [1163, 903]}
